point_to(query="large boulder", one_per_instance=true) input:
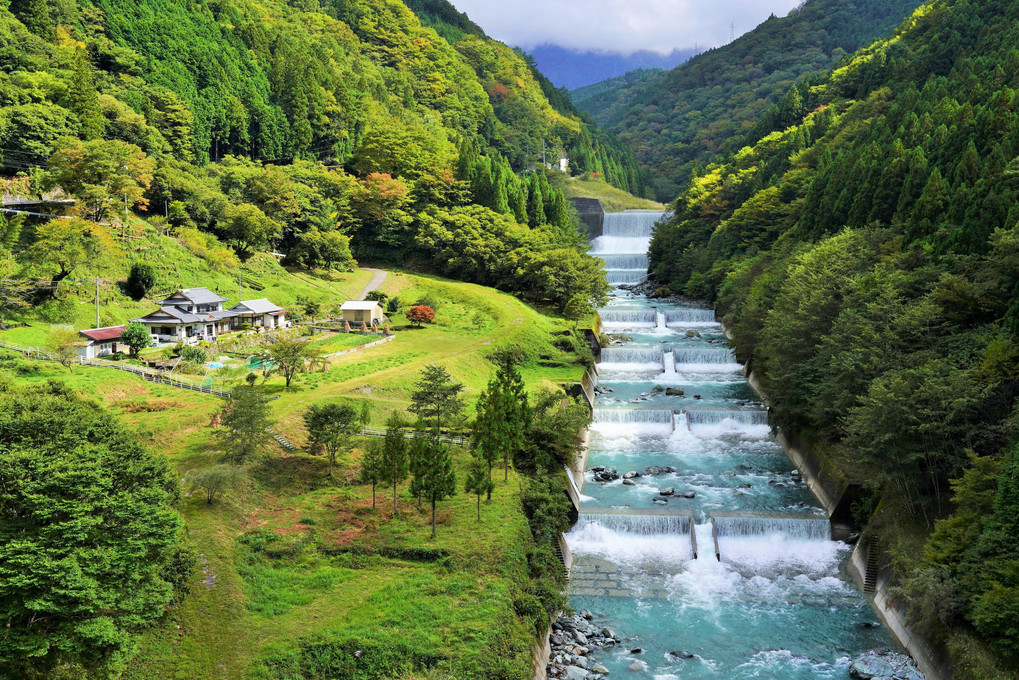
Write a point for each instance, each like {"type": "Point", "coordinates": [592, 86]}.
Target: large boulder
{"type": "Point", "coordinates": [576, 673]}
{"type": "Point", "coordinates": [884, 664]}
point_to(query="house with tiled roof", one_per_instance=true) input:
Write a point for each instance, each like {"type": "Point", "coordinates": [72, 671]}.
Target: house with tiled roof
{"type": "Point", "coordinates": [259, 314]}
{"type": "Point", "coordinates": [193, 314]}
{"type": "Point", "coordinates": [101, 342]}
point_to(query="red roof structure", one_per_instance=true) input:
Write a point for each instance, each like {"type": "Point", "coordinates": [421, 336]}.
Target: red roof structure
{"type": "Point", "coordinates": [101, 334]}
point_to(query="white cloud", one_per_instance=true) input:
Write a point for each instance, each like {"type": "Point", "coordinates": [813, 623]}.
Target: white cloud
{"type": "Point", "coordinates": [620, 25]}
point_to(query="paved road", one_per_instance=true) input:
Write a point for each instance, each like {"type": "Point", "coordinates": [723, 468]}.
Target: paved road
{"type": "Point", "coordinates": [378, 276]}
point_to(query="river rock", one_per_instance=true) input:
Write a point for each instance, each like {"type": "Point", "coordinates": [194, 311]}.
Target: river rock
{"type": "Point", "coordinates": [598, 468]}
{"type": "Point", "coordinates": [637, 650]}
{"type": "Point", "coordinates": [580, 637]}
{"type": "Point", "coordinates": [598, 668]}
{"type": "Point", "coordinates": [586, 613]}
{"type": "Point", "coordinates": [674, 392]}
{"type": "Point", "coordinates": [693, 334]}
{"type": "Point", "coordinates": [744, 485]}
{"type": "Point", "coordinates": [659, 470]}
{"type": "Point", "coordinates": [658, 500]}
{"type": "Point", "coordinates": [681, 655]}
{"type": "Point", "coordinates": [629, 482]}
{"type": "Point", "coordinates": [667, 491]}
{"type": "Point", "coordinates": [657, 389]}
{"type": "Point", "coordinates": [690, 494]}
{"type": "Point", "coordinates": [576, 673]}
{"type": "Point", "coordinates": [580, 660]}
{"type": "Point", "coordinates": [884, 664]}
{"type": "Point", "coordinates": [637, 666]}
{"type": "Point", "coordinates": [631, 474]}
{"type": "Point", "coordinates": [608, 633]}
{"type": "Point", "coordinates": [696, 396]}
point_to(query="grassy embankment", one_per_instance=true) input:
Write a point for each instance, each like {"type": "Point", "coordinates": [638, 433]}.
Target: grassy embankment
{"type": "Point", "coordinates": [295, 565]}
{"type": "Point", "coordinates": [612, 199]}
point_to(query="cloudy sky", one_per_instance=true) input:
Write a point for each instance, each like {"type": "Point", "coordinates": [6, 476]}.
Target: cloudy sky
{"type": "Point", "coordinates": [620, 25]}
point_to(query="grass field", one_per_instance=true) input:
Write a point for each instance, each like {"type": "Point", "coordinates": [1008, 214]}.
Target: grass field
{"type": "Point", "coordinates": [612, 199]}
{"type": "Point", "coordinates": [293, 564]}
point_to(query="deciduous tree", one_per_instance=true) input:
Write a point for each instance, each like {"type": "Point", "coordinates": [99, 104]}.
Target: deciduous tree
{"type": "Point", "coordinates": [136, 336]}
{"type": "Point", "coordinates": [245, 421]}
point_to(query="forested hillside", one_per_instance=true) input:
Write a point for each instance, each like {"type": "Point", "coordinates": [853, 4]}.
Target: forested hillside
{"type": "Point", "coordinates": [320, 130]}
{"type": "Point", "coordinates": [867, 261]}
{"type": "Point", "coordinates": [709, 105]}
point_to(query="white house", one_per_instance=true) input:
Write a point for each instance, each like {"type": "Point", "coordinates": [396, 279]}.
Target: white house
{"type": "Point", "coordinates": [259, 314]}
{"type": "Point", "coordinates": [190, 314]}
{"type": "Point", "coordinates": [356, 312]}
{"type": "Point", "coordinates": [101, 342]}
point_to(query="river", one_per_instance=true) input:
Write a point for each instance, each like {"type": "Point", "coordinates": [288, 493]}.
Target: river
{"type": "Point", "coordinates": [776, 602]}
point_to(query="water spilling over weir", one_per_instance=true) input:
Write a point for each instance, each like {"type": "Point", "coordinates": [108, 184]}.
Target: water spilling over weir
{"type": "Point", "coordinates": [764, 595]}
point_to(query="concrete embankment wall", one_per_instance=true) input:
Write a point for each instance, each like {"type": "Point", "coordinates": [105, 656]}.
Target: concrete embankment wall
{"type": "Point", "coordinates": [835, 494]}
{"type": "Point", "coordinates": [933, 659]}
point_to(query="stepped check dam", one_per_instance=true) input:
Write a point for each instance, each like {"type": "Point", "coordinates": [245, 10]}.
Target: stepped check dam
{"type": "Point", "coordinates": [697, 542]}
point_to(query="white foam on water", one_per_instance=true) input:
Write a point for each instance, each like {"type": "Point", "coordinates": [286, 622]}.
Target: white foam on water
{"type": "Point", "coordinates": [623, 548]}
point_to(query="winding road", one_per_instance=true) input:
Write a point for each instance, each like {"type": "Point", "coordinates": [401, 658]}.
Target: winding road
{"type": "Point", "coordinates": [378, 276]}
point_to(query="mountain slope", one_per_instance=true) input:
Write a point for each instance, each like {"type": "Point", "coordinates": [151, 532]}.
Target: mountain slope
{"type": "Point", "coordinates": [866, 259]}
{"type": "Point", "coordinates": [573, 69]}
{"type": "Point", "coordinates": [708, 105]}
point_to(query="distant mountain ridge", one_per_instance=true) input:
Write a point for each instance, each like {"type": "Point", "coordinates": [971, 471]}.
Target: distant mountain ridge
{"type": "Point", "coordinates": [708, 105]}
{"type": "Point", "coordinates": [576, 68]}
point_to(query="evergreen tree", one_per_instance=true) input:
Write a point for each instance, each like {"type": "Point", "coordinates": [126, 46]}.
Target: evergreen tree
{"type": "Point", "coordinates": [394, 455]}
{"type": "Point", "coordinates": [535, 202]}
{"type": "Point", "coordinates": [437, 396]}
{"type": "Point", "coordinates": [479, 480]}
{"type": "Point", "coordinates": [503, 415]}
{"type": "Point", "coordinates": [372, 471]}
{"type": "Point", "coordinates": [83, 99]}
{"type": "Point", "coordinates": [331, 428]}
{"type": "Point", "coordinates": [434, 478]}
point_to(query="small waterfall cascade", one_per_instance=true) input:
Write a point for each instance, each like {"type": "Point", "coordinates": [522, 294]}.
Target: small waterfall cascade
{"type": "Point", "coordinates": [796, 527]}
{"type": "Point", "coordinates": [715, 416]}
{"type": "Point", "coordinates": [623, 244]}
{"type": "Point", "coordinates": [628, 318]}
{"type": "Point", "coordinates": [624, 262]}
{"type": "Point", "coordinates": [697, 355]}
{"type": "Point", "coordinates": [632, 356]}
{"type": "Point", "coordinates": [682, 318]}
{"type": "Point", "coordinates": [635, 416]}
{"type": "Point", "coordinates": [640, 524]}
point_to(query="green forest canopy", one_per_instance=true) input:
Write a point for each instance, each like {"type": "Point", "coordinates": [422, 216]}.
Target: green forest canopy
{"type": "Point", "coordinates": [867, 260]}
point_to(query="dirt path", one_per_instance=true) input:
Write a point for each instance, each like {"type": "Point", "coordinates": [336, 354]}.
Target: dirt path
{"type": "Point", "coordinates": [378, 276]}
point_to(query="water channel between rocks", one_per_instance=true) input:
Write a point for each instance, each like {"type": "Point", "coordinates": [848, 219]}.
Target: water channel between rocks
{"type": "Point", "coordinates": [779, 603]}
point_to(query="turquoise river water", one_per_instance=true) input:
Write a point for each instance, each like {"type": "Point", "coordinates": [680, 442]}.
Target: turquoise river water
{"type": "Point", "coordinates": [777, 601]}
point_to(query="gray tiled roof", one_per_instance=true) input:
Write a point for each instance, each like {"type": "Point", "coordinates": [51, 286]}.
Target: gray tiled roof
{"type": "Point", "coordinates": [261, 306]}
{"type": "Point", "coordinates": [198, 296]}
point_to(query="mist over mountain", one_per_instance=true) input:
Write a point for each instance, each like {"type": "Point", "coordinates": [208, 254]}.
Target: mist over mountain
{"type": "Point", "coordinates": [573, 68]}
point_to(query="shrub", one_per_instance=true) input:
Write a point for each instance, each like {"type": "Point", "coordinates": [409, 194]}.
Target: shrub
{"type": "Point", "coordinates": [421, 314]}
{"type": "Point", "coordinates": [140, 280]}
{"type": "Point", "coordinates": [376, 296]}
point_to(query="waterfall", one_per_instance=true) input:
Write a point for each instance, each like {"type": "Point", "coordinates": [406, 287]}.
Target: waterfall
{"type": "Point", "coordinates": [627, 233]}
{"type": "Point", "coordinates": [716, 416]}
{"type": "Point", "coordinates": [689, 317]}
{"type": "Point", "coordinates": [635, 416]}
{"type": "Point", "coordinates": [638, 524]}
{"type": "Point", "coordinates": [631, 358]}
{"type": "Point", "coordinates": [720, 355]}
{"type": "Point", "coordinates": [624, 261]}
{"type": "Point", "coordinates": [616, 277]}
{"type": "Point", "coordinates": [628, 317]}
{"type": "Point", "coordinates": [631, 223]}
{"type": "Point", "coordinates": [795, 527]}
